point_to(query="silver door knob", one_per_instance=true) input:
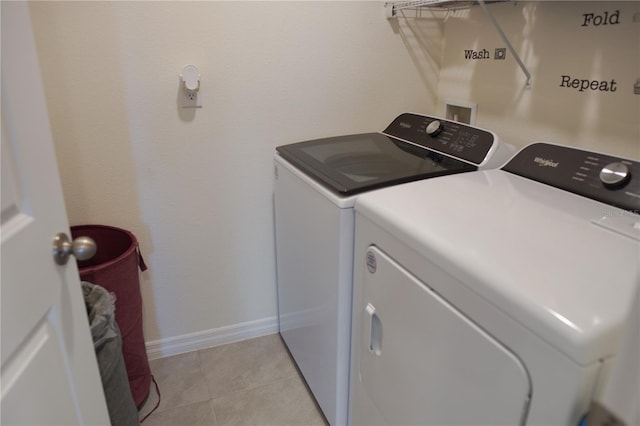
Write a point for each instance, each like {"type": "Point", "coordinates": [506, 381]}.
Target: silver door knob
{"type": "Point", "coordinates": [82, 248]}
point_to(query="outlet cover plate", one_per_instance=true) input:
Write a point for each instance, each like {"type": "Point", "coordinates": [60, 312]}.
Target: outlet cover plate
{"type": "Point", "coordinates": [191, 99]}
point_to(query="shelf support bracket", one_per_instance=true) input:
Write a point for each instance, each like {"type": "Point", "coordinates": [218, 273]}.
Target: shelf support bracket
{"type": "Point", "coordinates": [506, 41]}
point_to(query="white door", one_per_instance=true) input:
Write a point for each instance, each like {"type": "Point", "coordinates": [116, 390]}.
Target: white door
{"type": "Point", "coordinates": [49, 372]}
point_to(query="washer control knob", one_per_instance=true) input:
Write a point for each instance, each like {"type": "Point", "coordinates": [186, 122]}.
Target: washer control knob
{"type": "Point", "coordinates": [434, 128]}
{"type": "Point", "coordinates": [614, 175]}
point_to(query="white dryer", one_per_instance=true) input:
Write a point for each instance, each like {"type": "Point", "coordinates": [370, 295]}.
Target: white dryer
{"type": "Point", "coordinates": [316, 185]}
{"type": "Point", "coordinates": [495, 297]}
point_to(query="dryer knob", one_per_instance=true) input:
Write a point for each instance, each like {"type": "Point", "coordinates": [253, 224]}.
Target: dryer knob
{"type": "Point", "coordinates": [434, 128]}
{"type": "Point", "coordinates": [615, 175]}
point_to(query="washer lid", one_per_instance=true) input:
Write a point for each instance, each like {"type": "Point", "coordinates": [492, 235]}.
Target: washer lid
{"type": "Point", "coordinates": [533, 251]}
{"type": "Point", "coordinates": [356, 163]}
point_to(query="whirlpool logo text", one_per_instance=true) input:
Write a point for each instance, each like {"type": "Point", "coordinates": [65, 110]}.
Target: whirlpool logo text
{"type": "Point", "coordinates": [543, 162]}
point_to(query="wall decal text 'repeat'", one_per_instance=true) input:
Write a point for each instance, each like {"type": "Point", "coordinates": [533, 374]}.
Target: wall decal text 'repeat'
{"type": "Point", "coordinates": [582, 84]}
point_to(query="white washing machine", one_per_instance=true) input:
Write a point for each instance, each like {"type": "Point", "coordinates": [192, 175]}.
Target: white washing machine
{"type": "Point", "coordinates": [317, 183]}
{"type": "Point", "coordinates": [495, 297]}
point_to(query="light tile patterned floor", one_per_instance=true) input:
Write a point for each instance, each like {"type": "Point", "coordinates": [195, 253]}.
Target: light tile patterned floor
{"type": "Point", "coordinates": [253, 382]}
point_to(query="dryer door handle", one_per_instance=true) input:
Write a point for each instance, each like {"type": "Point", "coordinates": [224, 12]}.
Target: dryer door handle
{"type": "Point", "coordinates": [375, 330]}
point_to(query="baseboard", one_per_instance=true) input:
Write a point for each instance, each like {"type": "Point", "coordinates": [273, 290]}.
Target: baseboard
{"type": "Point", "coordinates": [211, 338]}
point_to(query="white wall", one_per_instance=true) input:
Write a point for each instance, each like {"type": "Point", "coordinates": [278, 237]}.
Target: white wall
{"type": "Point", "coordinates": [552, 42]}
{"type": "Point", "coordinates": [195, 185]}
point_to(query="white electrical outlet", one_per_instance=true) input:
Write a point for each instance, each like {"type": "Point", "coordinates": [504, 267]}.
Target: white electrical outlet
{"type": "Point", "coordinates": [191, 96]}
{"type": "Point", "coordinates": [191, 99]}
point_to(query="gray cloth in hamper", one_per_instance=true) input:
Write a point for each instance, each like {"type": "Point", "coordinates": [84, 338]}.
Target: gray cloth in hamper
{"type": "Point", "coordinates": [108, 346]}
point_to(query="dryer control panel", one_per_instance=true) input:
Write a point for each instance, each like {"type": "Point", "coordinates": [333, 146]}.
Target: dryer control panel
{"type": "Point", "coordinates": [611, 180]}
{"type": "Point", "coordinates": [447, 137]}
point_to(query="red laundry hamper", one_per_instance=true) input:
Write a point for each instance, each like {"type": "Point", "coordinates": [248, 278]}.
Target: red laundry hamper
{"type": "Point", "coordinates": [115, 267]}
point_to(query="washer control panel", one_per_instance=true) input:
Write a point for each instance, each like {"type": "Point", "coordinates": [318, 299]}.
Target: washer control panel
{"type": "Point", "coordinates": [611, 180]}
{"type": "Point", "coordinates": [447, 137]}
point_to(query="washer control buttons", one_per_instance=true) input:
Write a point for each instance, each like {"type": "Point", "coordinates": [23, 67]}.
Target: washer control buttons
{"type": "Point", "coordinates": [614, 175]}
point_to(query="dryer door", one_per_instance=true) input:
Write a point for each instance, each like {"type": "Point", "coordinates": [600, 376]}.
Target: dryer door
{"type": "Point", "coordinates": [423, 362]}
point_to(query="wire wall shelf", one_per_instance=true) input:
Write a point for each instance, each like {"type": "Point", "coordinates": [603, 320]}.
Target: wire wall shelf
{"type": "Point", "coordinates": [393, 7]}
